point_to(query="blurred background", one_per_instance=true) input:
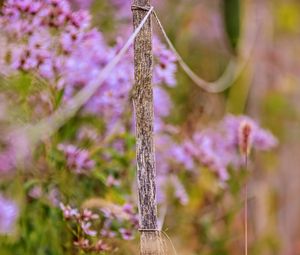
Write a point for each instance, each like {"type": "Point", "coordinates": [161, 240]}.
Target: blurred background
{"type": "Point", "coordinates": [267, 90]}
{"type": "Point", "coordinates": [207, 34]}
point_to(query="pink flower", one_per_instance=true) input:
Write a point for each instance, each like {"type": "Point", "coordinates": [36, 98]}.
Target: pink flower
{"type": "Point", "coordinates": [101, 246]}
{"type": "Point", "coordinates": [83, 244]}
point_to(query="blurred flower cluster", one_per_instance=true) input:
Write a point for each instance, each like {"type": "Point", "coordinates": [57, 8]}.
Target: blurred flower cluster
{"type": "Point", "coordinates": [112, 220]}
{"type": "Point", "coordinates": [49, 39]}
{"type": "Point", "coordinates": [218, 148]}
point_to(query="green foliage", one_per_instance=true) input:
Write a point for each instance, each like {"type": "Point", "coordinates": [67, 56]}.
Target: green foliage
{"type": "Point", "coordinates": [232, 10]}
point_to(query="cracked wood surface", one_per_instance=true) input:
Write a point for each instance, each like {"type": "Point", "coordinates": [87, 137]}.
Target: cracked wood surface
{"type": "Point", "coordinates": [142, 95]}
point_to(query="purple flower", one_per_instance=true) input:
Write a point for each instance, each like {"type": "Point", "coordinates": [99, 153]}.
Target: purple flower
{"type": "Point", "coordinates": [107, 213]}
{"type": "Point", "coordinates": [69, 212]}
{"type": "Point", "coordinates": [180, 192]}
{"type": "Point", "coordinates": [86, 229]}
{"type": "Point", "coordinates": [78, 160]}
{"type": "Point", "coordinates": [222, 173]}
{"type": "Point", "coordinates": [9, 212]}
{"type": "Point", "coordinates": [128, 208]}
{"type": "Point", "coordinates": [264, 140]}
{"type": "Point", "coordinates": [164, 71]}
{"type": "Point", "coordinates": [107, 233]}
{"type": "Point", "coordinates": [88, 215]}
{"type": "Point", "coordinates": [164, 182]}
{"type": "Point", "coordinates": [183, 156]}
{"type": "Point", "coordinates": [53, 197]}
{"type": "Point", "coordinates": [162, 102]}
{"type": "Point", "coordinates": [216, 148]}
{"type": "Point", "coordinates": [81, 4]}
{"type": "Point", "coordinates": [36, 192]}
{"type": "Point", "coordinates": [16, 149]}
{"type": "Point", "coordinates": [112, 181]}
{"type": "Point", "coordinates": [220, 148]}
{"type": "Point", "coordinates": [126, 234]}
{"type": "Point", "coordinates": [49, 39]}
{"type": "Point", "coordinates": [160, 188]}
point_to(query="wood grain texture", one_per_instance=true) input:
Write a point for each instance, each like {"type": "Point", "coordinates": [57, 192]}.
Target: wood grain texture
{"type": "Point", "coordinates": [142, 95]}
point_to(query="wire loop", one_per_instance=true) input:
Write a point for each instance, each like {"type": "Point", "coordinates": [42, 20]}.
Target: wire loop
{"type": "Point", "coordinates": [143, 8]}
{"type": "Point", "coordinates": [148, 230]}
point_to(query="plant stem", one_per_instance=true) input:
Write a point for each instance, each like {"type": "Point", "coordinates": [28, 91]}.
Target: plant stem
{"type": "Point", "coordinates": [246, 209]}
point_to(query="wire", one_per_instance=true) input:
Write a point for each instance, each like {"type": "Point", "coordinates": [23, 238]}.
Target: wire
{"type": "Point", "coordinates": [49, 125]}
{"type": "Point", "coordinates": [230, 75]}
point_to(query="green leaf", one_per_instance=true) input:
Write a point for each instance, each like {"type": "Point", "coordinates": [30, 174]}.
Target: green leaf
{"type": "Point", "coordinates": [232, 10]}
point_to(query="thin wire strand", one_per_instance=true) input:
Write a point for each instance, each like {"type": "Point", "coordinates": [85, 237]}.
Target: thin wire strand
{"type": "Point", "coordinates": [170, 241]}
{"type": "Point", "coordinates": [229, 76]}
{"type": "Point", "coordinates": [164, 233]}
{"type": "Point", "coordinates": [51, 124]}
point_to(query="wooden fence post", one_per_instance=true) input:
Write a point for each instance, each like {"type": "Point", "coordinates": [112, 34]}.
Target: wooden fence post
{"type": "Point", "coordinates": [151, 241]}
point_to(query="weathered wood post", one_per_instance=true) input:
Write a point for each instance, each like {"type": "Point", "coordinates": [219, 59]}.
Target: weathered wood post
{"type": "Point", "coordinates": [151, 242]}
